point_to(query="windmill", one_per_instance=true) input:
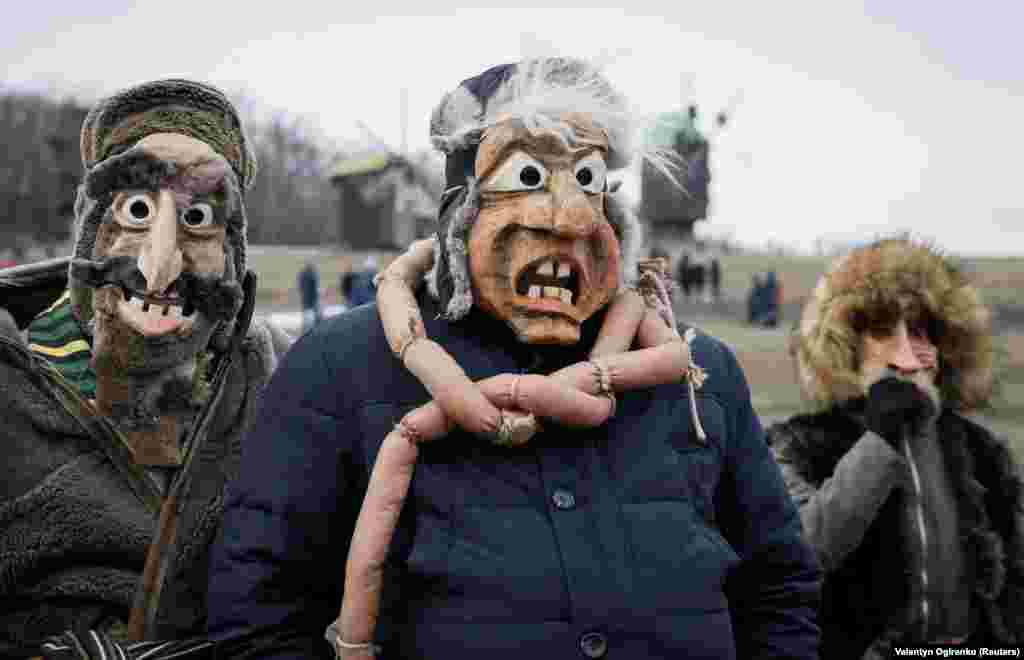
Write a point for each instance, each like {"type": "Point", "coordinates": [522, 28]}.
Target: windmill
{"type": "Point", "coordinates": [671, 209]}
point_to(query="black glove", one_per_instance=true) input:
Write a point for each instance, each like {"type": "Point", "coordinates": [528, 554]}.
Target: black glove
{"type": "Point", "coordinates": [896, 406]}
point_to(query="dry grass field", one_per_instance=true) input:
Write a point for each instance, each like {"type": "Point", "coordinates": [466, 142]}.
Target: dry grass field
{"type": "Point", "coordinates": [762, 352]}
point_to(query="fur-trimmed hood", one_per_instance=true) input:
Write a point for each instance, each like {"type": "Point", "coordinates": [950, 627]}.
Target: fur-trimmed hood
{"type": "Point", "coordinates": [826, 345]}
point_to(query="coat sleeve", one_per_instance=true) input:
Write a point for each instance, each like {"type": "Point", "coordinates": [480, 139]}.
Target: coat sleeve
{"type": "Point", "coordinates": [774, 592]}
{"type": "Point", "coordinates": [837, 513]}
{"type": "Point", "coordinates": [276, 569]}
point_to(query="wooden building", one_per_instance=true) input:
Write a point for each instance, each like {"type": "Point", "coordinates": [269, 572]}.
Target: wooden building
{"type": "Point", "coordinates": [385, 201]}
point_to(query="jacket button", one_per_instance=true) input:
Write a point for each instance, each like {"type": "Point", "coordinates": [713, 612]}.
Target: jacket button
{"type": "Point", "coordinates": [563, 499]}
{"type": "Point", "coordinates": [594, 645]}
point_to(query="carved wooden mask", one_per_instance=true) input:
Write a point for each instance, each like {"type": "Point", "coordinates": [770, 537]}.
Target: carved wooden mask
{"type": "Point", "coordinates": [542, 255]}
{"type": "Point", "coordinates": [176, 227]}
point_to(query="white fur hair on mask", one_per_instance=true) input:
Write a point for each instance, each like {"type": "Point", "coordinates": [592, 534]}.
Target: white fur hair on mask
{"type": "Point", "coordinates": [538, 92]}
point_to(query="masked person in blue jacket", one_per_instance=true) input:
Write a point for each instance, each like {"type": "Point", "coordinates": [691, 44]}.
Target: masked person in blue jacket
{"type": "Point", "coordinates": [633, 539]}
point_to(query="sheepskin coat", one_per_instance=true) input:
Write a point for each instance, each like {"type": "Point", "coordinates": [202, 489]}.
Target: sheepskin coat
{"type": "Point", "coordinates": [77, 515]}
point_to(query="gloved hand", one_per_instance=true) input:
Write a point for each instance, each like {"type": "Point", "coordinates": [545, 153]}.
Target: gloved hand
{"type": "Point", "coordinates": [894, 406]}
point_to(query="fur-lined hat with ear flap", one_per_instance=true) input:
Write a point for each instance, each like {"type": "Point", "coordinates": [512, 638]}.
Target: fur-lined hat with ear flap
{"type": "Point", "coordinates": [538, 92]}
{"type": "Point", "coordinates": [119, 122]}
{"type": "Point", "coordinates": [889, 272]}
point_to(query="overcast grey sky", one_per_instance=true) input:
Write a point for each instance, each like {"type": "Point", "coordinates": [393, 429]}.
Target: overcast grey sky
{"type": "Point", "coordinates": [854, 118]}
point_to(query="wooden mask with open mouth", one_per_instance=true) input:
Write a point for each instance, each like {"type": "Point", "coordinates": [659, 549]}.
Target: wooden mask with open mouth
{"type": "Point", "coordinates": [542, 254]}
{"type": "Point", "coordinates": [175, 228]}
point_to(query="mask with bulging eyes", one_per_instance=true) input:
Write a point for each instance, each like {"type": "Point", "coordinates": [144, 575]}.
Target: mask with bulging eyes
{"type": "Point", "coordinates": [542, 255]}
{"type": "Point", "coordinates": [166, 236]}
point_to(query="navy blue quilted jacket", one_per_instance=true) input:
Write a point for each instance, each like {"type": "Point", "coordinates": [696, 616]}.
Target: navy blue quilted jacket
{"type": "Point", "coordinates": [632, 540]}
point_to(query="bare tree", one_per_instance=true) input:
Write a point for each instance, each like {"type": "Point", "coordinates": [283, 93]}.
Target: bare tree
{"type": "Point", "coordinates": [39, 167]}
{"type": "Point", "coordinates": [292, 201]}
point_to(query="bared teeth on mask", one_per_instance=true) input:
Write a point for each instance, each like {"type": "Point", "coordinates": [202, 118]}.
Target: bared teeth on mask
{"type": "Point", "coordinates": [540, 275]}
{"type": "Point", "coordinates": [549, 279]}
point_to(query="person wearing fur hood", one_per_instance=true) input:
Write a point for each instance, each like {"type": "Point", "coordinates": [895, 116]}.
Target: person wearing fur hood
{"type": "Point", "coordinates": [914, 510]}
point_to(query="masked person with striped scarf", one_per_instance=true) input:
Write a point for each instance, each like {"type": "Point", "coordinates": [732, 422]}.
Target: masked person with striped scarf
{"type": "Point", "coordinates": [124, 391]}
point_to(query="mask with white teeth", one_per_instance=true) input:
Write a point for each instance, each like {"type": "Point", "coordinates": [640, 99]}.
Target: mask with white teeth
{"type": "Point", "coordinates": [160, 251]}
{"type": "Point", "coordinates": [530, 229]}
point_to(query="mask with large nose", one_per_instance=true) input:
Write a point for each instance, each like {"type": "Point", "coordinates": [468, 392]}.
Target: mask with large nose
{"type": "Point", "coordinates": [542, 254]}
{"type": "Point", "coordinates": [160, 244]}
{"type": "Point", "coordinates": [900, 348]}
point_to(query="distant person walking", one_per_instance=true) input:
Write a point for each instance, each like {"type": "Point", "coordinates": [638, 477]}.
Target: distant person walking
{"type": "Point", "coordinates": [357, 286]}
{"type": "Point", "coordinates": [715, 278]}
{"type": "Point", "coordinates": [763, 304]}
{"type": "Point", "coordinates": [771, 299]}
{"type": "Point", "coordinates": [309, 292]}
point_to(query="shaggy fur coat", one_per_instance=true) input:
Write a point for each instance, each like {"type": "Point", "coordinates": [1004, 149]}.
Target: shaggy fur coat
{"type": "Point", "coordinates": [77, 515]}
{"type": "Point", "coordinates": [866, 597]}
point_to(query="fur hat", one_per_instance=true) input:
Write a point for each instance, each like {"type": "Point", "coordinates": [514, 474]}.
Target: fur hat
{"type": "Point", "coordinates": [537, 92]}
{"type": "Point", "coordinates": [881, 275]}
{"type": "Point", "coordinates": [117, 123]}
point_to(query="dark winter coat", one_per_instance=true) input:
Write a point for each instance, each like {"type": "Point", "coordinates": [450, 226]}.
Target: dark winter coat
{"type": "Point", "coordinates": [632, 539]}
{"type": "Point", "coordinates": [851, 487]}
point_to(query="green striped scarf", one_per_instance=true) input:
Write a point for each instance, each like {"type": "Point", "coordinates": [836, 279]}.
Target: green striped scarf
{"type": "Point", "coordinates": [56, 337]}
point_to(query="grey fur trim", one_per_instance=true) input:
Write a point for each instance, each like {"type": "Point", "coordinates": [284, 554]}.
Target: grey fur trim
{"type": "Point", "coordinates": [456, 244]}
{"type": "Point", "coordinates": [631, 237]}
{"type": "Point", "coordinates": [432, 274]}
{"type": "Point", "coordinates": [237, 224]}
{"type": "Point", "coordinates": [89, 213]}
{"type": "Point", "coordinates": [457, 109]}
{"type": "Point", "coordinates": [539, 91]}
{"type": "Point", "coordinates": [88, 216]}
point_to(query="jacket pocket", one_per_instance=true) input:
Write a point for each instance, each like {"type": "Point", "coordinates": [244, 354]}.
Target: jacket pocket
{"type": "Point", "coordinates": [665, 459]}
{"type": "Point", "coordinates": [679, 562]}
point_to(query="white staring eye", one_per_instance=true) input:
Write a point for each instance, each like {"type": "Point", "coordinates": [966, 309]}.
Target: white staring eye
{"type": "Point", "coordinates": [138, 210]}
{"type": "Point", "coordinates": [518, 172]}
{"type": "Point", "coordinates": [590, 174]}
{"type": "Point", "coordinates": [197, 216]}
